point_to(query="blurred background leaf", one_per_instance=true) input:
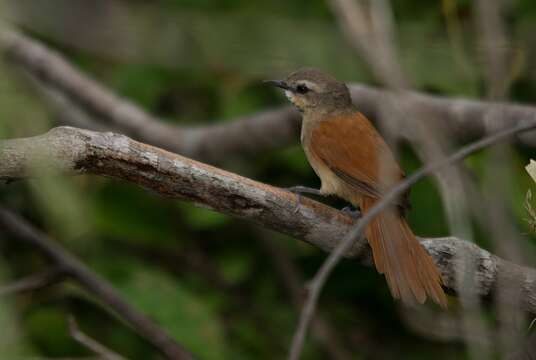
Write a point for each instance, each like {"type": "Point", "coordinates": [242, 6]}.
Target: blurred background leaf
{"type": "Point", "coordinates": [203, 276]}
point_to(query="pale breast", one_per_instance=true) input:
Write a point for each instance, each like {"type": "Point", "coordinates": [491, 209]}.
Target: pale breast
{"type": "Point", "coordinates": [327, 177]}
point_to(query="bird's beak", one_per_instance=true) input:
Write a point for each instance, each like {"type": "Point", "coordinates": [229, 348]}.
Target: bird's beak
{"type": "Point", "coordinates": [279, 83]}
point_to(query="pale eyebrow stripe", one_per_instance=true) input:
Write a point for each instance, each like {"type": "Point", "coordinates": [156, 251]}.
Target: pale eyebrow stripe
{"type": "Point", "coordinates": [309, 84]}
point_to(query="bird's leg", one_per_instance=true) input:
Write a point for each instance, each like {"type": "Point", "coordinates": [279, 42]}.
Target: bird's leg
{"type": "Point", "coordinates": [352, 211]}
{"type": "Point", "coordinates": [304, 190]}
{"type": "Point", "coordinates": [299, 190]}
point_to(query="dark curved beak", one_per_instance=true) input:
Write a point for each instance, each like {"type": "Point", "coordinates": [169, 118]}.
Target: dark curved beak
{"type": "Point", "coordinates": [278, 83]}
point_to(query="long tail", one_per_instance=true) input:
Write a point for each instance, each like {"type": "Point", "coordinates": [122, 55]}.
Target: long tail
{"type": "Point", "coordinates": [410, 271]}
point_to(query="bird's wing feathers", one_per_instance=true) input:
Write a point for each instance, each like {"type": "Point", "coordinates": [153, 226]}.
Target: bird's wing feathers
{"type": "Point", "coordinates": [352, 148]}
{"type": "Point", "coordinates": [354, 151]}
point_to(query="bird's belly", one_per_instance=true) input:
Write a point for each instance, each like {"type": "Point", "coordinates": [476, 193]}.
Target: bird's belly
{"type": "Point", "coordinates": [331, 184]}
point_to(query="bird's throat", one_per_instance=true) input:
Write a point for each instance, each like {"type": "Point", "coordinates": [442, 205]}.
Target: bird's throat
{"type": "Point", "coordinates": [294, 100]}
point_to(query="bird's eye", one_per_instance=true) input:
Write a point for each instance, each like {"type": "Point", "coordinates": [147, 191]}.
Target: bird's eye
{"type": "Point", "coordinates": [302, 89]}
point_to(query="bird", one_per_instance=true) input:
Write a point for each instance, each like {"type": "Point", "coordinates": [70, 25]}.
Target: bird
{"type": "Point", "coordinates": [354, 163]}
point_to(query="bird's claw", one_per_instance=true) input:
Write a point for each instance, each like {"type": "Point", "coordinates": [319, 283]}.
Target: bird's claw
{"type": "Point", "coordinates": [298, 204]}
{"type": "Point", "coordinates": [352, 212]}
{"type": "Point", "coordinates": [295, 191]}
{"type": "Point", "coordinates": [298, 190]}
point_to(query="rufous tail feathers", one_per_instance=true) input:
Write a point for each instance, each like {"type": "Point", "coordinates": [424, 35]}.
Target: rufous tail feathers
{"type": "Point", "coordinates": [411, 274]}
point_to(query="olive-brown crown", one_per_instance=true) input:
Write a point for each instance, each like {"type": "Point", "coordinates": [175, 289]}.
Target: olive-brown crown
{"type": "Point", "coordinates": [312, 89]}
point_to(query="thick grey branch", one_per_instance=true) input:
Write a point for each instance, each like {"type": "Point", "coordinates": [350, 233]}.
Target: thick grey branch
{"type": "Point", "coordinates": [74, 151]}
{"type": "Point", "coordinates": [465, 119]}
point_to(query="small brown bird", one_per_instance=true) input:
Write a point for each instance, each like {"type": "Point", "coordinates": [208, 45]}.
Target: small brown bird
{"type": "Point", "coordinates": [354, 163]}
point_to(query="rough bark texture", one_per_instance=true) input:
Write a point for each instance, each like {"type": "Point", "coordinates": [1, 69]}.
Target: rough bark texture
{"type": "Point", "coordinates": [73, 151]}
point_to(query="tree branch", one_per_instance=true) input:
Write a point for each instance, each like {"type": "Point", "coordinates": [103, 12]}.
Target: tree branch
{"type": "Point", "coordinates": [292, 280]}
{"type": "Point", "coordinates": [362, 25]}
{"type": "Point", "coordinates": [89, 343]}
{"type": "Point", "coordinates": [268, 129]}
{"type": "Point", "coordinates": [34, 282]}
{"type": "Point", "coordinates": [92, 283]}
{"type": "Point", "coordinates": [493, 40]}
{"type": "Point", "coordinates": [467, 119]}
{"type": "Point", "coordinates": [74, 151]}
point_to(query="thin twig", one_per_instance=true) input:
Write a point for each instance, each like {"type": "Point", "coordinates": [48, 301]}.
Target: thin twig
{"type": "Point", "coordinates": [493, 39]}
{"type": "Point", "coordinates": [322, 329]}
{"type": "Point", "coordinates": [97, 286]}
{"type": "Point", "coordinates": [363, 25]}
{"type": "Point", "coordinates": [90, 343]}
{"type": "Point", "coordinates": [66, 112]}
{"type": "Point", "coordinates": [438, 326]}
{"type": "Point", "coordinates": [34, 282]}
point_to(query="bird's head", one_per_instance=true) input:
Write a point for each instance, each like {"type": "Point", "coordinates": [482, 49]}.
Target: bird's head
{"type": "Point", "coordinates": [312, 90]}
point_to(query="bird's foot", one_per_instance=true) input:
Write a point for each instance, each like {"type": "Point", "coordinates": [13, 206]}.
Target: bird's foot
{"type": "Point", "coordinates": [299, 190]}
{"type": "Point", "coordinates": [352, 212]}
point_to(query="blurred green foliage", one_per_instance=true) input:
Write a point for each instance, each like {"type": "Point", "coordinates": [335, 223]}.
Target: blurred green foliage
{"type": "Point", "coordinates": [206, 278]}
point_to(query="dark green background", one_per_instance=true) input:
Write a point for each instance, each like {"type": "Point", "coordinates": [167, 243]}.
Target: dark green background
{"type": "Point", "coordinates": [210, 280]}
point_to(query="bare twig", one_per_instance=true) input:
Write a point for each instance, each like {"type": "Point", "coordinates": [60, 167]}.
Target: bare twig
{"type": "Point", "coordinates": [498, 187]}
{"type": "Point", "coordinates": [322, 329]}
{"type": "Point", "coordinates": [66, 112]}
{"type": "Point", "coordinates": [363, 28]}
{"type": "Point", "coordinates": [498, 70]}
{"type": "Point", "coordinates": [438, 326]}
{"type": "Point", "coordinates": [456, 36]}
{"type": "Point", "coordinates": [90, 343]}
{"type": "Point", "coordinates": [34, 282]}
{"type": "Point", "coordinates": [491, 30]}
{"type": "Point", "coordinates": [93, 283]}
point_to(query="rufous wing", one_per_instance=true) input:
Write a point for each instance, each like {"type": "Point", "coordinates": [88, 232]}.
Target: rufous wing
{"type": "Point", "coordinates": [354, 151]}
